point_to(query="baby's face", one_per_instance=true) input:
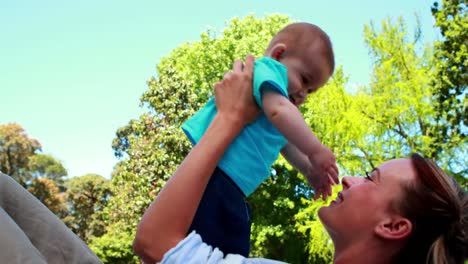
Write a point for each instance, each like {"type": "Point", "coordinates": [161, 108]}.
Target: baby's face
{"type": "Point", "coordinates": [307, 72]}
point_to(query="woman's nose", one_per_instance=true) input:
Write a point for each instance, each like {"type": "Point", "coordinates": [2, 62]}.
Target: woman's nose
{"type": "Point", "coordinates": [349, 181]}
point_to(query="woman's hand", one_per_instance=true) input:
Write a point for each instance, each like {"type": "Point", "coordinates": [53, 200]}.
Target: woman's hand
{"type": "Point", "coordinates": [237, 84]}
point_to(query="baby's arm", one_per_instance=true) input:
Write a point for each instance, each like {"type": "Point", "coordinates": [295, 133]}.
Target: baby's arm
{"type": "Point", "coordinates": [302, 163]}
{"type": "Point", "coordinates": [289, 121]}
{"type": "Point", "coordinates": [296, 158]}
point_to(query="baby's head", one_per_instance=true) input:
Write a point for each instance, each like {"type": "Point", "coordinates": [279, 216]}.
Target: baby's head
{"type": "Point", "coordinates": [307, 53]}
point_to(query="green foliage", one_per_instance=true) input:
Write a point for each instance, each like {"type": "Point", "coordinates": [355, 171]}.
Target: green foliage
{"type": "Point", "coordinates": [396, 106]}
{"type": "Point", "coordinates": [398, 103]}
{"type": "Point", "coordinates": [320, 247]}
{"type": "Point", "coordinates": [450, 82]}
{"type": "Point", "coordinates": [16, 147]}
{"type": "Point", "coordinates": [87, 196]}
{"type": "Point", "coordinates": [115, 247]}
{"type": "Point", "coordinates": [451, 64]}
{"type": "Point", "coordinates": [335, 117]}
{"type": "Point", "coordinates": [46, 166]}
{"type": "Point", "coordinates": [273, 206]}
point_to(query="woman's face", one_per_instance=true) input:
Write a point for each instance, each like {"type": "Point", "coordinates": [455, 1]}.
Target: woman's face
{"type": "Point", "coordinates": [366, 203]}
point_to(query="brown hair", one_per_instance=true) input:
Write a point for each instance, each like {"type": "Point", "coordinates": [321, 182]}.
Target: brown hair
{"type": "Point", "coordinates": [303, 35]}
{"type": "Point", "coordinates": [438, 210]}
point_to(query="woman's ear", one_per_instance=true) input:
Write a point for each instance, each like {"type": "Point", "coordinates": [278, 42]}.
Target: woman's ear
{"type": "Point", "coordinates": [394, 228]}
{"type": "Point", "coordinates": [277, 51]}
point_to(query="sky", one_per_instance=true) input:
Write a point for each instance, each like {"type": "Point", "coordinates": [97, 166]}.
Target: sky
{"type": "Point", "coordinates": [72, 72]}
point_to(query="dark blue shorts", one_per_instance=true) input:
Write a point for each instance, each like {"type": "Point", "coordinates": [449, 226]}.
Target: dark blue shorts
{"type": "Point", "coordinates": [223, 217]}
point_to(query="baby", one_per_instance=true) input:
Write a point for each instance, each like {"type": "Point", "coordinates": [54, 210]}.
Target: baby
{"type": "Point", "coordinates": [298, 61]}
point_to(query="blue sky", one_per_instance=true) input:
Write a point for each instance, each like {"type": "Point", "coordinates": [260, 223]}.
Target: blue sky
{"type": "Point", "coordinates": [72, 72]}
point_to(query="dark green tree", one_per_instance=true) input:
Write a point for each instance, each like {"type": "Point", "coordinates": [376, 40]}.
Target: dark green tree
{"type": "Point", "coordinates": [46, 166]}
{"type": "Point", "coordinates": [450, 82]}
{"type": "Point", "coordinates": [87, 196]}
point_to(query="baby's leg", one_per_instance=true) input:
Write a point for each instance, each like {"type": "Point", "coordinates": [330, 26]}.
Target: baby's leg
{"type": "Point", "coordinates": [223, 217]}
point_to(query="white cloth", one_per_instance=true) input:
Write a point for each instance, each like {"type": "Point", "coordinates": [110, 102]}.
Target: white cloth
{"type": "Point", "coordinates": [192, 250]}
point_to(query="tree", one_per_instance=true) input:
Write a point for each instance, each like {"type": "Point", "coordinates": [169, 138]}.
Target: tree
{"type": "Point", "coordinates": [396, 105]}
{"type": "Point", "coordinates": [399, 104]}
{"type": "Point", "coordinates": [450, 82]}
{"type": "Point", "coordinates": [274, 204]}
{"type": "Point", "coordinates": [335, 116]}
{"type": "Point", "coordinates": [46, 166]}
{"type": "Point", "coordinates": [114, 247]}
{"type": "Point", "coordinates": [87, 196]}
{"type": "Point", "coordinates": [16, 147]}
{"type": "Point", "coordinates": [319, 246]}
{"type": "Point", "coordinates": [48, 193]}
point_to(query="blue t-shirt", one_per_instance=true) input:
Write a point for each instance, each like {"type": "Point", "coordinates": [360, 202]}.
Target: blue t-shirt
{"type": "Point", "coordinates": [249, 158]}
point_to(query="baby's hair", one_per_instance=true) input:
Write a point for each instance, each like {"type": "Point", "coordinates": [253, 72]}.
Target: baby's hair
{"type": "Point", "coordinates": [303, 35]}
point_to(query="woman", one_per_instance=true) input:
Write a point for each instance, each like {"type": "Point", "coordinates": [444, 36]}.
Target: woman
{"type": "Point", "coordinates": [406, 211]}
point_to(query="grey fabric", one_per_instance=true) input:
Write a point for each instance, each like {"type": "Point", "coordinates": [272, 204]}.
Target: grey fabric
{"type": "Point", "coordinates": [31, 233]}
{"type": "Point", "coordinates": [15, 246]}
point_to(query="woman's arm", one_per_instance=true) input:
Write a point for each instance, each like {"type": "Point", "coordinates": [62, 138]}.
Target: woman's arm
{"type": "Point", "coordinates": [167, 220]}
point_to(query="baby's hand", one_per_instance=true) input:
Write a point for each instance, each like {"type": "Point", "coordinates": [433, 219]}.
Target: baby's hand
{"type": "Point", "coordinates": [323, 172]}
{"type": "Point", "coordinates": [321, 185]}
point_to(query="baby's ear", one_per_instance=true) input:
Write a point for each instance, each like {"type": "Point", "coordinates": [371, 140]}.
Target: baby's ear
{"type": "Point", "coordinates": [277, 51]}
{"type": "Point", "coordinates": [396, 227]}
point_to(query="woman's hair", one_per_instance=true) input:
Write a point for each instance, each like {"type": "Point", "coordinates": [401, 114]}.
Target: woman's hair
{"type": "Point", "coordinates": [438, 210]}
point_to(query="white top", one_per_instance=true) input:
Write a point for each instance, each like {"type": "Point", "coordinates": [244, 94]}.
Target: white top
{"type": "Point", "coordinates": [192, 250]}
